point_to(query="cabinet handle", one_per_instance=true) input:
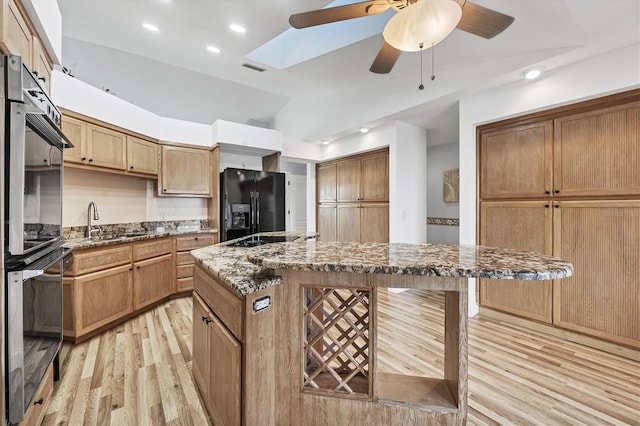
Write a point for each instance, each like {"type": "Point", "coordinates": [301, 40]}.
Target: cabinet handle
{"type": "Point", "coordinates": [196, 238]}
{"type": "Point", "coordinates": [130, 269]}
{"type": "Point", "coordinates": [557, 191]}
{"type": "Point", "coordinates": [42, 79]}
{"type": "Point", "coordinates": [546, 206]}
{"type": "Point", "coordinates": [204, 318]}
{"type": "Point", "coordinates": [90, 160]}
{"type": "Point", "coordinates": [138, 267]}
{"type": "Point", "coordinates": [556, 206]}
{"type": "Point", "coordinates": [164, 190]}
{"type": "Point", "coordinates": [83, 158]}
{"type": "Point", "coordinates": [547, 192]}
{"type": "Point", "coordinates": [40, 401]}
{"type": "Point", "coordinates": [131, 167]}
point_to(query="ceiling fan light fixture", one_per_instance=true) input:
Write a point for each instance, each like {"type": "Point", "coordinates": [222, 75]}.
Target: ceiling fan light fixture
{"type": "Point", "coordinates": [426, 23]}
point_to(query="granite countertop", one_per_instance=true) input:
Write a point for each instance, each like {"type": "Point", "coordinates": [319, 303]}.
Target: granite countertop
{"type": "Point", "coordinates": [407, 259]}
{"type": "Point", "coordinates": [230, 266]}
{"type": "Point", "coordinates": [112, 239]}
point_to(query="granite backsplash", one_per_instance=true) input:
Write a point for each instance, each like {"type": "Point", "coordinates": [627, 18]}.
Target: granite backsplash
{"type": "Point", "coordinates": [74, 232]}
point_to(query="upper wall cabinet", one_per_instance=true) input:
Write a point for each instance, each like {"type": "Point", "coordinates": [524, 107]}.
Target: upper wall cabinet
{"type": "Point", "coordinates": [100, 148]}
{"type": "Point", "coordinates": [598, 152]}
{"type": "Point", "coordinates": [517, 162]}
{"type": "Point", "coordinates": [590, 153]}
{"type": "Point", "coordinates": [18, 37]}
{"type": "Point", "coordinates": [326, 178]}
{"type": "Point", "coordinates": [185, 172]}
{"type": "Point", "coordinates": [142, 156]}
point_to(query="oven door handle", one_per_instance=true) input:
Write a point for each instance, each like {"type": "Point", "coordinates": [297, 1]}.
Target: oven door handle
{"type": "Point", "coordinates": [16, 178]}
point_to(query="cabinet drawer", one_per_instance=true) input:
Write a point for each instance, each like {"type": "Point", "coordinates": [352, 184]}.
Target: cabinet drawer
{"type": "Point", "coordinates": [184, 271]}
{"type": "Point", "coordinates": [35, 412]}
{"type": "Point", "coordinates": [226, 305]}
{"type": "Point", "coordinates": [184, 258]}
{"type": "Point", "coordinates": [153, 248]}
{"type": "Point", "coordinates": [93, 260]}
{"type": "Point", "coordinates": [184, 284]}
{"type": "Point", "coordinates": [194, 242]}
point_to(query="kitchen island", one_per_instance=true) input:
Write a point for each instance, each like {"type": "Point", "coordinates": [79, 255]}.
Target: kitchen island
{"type": "Point", "coordinates": [295, 341]}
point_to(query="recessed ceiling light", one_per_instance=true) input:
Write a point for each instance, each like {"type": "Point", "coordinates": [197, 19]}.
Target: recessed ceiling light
{"type": "Point", "coordinates": [325, 142]}
{"type": "Point", "coordinates": [213, 49]}
{"type": "Point", "coordinates": [364, 129]}
{"type": "Point", "coordinates": [533, 73]}
{"type": "Point", "coordinates": [237, 28]}
{"type": "Point", "coordinates": [150, 27]}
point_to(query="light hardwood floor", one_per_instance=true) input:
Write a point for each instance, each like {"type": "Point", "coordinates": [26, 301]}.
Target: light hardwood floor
{"type": "Point", "coordinates": [139, 373]}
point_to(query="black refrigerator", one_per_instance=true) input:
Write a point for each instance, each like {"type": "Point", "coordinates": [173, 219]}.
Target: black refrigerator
{"type": "Point", "coordinates": [251, 201]}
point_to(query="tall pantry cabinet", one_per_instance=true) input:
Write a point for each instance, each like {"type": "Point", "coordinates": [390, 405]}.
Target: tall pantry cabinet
{"type": "Point", "coordinates": [567, 182]}
{"type": "Point", "coordinates": [353, 198]}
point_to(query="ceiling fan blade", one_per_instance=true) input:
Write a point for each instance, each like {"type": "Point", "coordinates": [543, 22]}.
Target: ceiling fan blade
{"type": "Point", "coordinates": [385, 60]}
{"type": "Point", "coordinates": [335, 14]}
{"type": "Point", "coordinates": [481, 21]}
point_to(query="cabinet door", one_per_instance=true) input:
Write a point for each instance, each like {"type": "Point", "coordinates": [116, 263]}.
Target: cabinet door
{"type": "Point", "coordinates": [516, 162]}
{"type": "Point", "coordinates": [523, 225]}
{"type": "Point", "coordinates": [102, 297]}
{"type": "Point", "coordinates": [106, 148]}
{"type": "Point", "coordinates": [152, 280]}
{"type": "Point", "coordinates": [142, 156]}
{"type": "Point", "coordinates": [76, 131]}
{"type": "Point", "coordinates": [327, 222]}
{"type": "Point", "coordinates": [374, 223]}
{"type": "Point", "coordinates": [200, 352]}
{"type": "Point", "coordinates": [185, 171]}
{"type": "Point", "coordinates": [326, 180]}
{"type": "Point", "coordinates": [598, 153]}
{"type": "Point", "coordinates": [225, 357]}
{"type": "Point", "coordinates": [348, 222]}
{"type": "Point", "coordinates": [348, 180]}
{"type": "Point", "coordinates": [374, 177]}
{"type": "Point", "coordinates": [16, 36]}
{"type": "Point", "coordinates": [602, 241]}
{"type": "Point", "coordinates": [41, 65]}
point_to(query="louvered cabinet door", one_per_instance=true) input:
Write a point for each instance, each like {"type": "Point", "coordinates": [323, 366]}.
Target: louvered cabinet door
{"type": "Point", "coordinates": [598, 152]}
{"type": "Point", "coordinates": [522, 225]}
{"type": "Point", "coordinates": [602, 241]}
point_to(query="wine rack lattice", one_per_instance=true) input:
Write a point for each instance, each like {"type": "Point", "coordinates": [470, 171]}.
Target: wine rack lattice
{"type": "Point", "coordinates": [336, 340]}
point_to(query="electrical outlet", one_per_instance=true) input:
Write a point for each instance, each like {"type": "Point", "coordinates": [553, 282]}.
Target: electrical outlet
{"type": "Point", "coordinates": [261, 303]}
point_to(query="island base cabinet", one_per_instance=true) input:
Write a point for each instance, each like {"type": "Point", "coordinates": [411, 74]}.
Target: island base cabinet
{"type": "Point", "coordinates": [217, 361]}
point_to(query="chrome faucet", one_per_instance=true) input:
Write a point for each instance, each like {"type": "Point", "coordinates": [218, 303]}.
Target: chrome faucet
{"type": "Point", "coordinates": [95, 217]}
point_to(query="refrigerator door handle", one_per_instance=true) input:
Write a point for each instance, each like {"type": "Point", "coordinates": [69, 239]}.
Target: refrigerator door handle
{"type": "Point", "coordinates": [257, 212]}
{"type": "Point", "coordinates": [252, 213]}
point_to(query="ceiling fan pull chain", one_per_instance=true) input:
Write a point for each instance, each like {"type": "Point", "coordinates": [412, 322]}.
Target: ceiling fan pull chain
{"type": "Point", "coordinates": [433, 66]}
{"type": "Point", "coordinates": [421, 87]}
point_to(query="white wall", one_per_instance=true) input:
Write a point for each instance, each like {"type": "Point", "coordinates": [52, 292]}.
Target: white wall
{"type": "Point", "coordinates": [441, 158]}
{"type": "Point", "coordinates": [598, 76]}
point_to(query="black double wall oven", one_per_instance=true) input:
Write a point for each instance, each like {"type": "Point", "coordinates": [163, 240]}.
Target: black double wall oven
{"type": "Point", "coordinates": [33, 256]}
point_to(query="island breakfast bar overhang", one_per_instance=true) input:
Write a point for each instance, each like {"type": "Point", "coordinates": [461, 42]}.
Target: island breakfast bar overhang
{"type": "Point", "coordinates": [314, 359]}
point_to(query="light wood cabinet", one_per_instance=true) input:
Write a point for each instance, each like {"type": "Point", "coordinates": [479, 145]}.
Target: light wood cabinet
{"type": "Point", "coordinates": [76, 131]}
{"type": "Point", "coordinates": [566, 182]}
{"type": "Point", "coordinates": [522, 225]}
{"type": "Point", "coordinates": [17, 37]}
{"type": "Point", "coordinates": [105, 148]}
{"type": "Point", "coordinates": [327, 182]}
{"type": "Point", "coordinates": [353, 196]}
{"type": "Point", "coordinates": [42, 65]}
{"type": "Point", "coordinates": [601, 238]}
{"type": "Point", "coordinates": [185, 172]}
{"type": "Point", "coordinates": [218, 348]}
{"type": "Point", "coordinates": [234, 356]}
{"type": "Point", "coordinates": [142, 156]}
{"type": "Point", "coordinates": [184, 260]}
{"type": "Point", "coordinates": [152, 280]}
{"type": "Point", "coordinates": [100, 298]}
{"type": "Point", "coordinates": [35, 412]}
{"type": "Point", "coordinates": [327, 222]}
{"type": "Point", "coordinates": [597, 153]}
{"type": "Point", "coordinates": [517, 162]}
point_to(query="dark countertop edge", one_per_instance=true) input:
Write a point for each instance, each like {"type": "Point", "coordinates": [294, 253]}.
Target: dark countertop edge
{"type": "Point", "coordinates": [86, 243]}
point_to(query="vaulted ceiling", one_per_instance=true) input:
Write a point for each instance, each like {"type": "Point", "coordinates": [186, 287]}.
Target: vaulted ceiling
{"type": "Point", "coordinates": [331, 93]}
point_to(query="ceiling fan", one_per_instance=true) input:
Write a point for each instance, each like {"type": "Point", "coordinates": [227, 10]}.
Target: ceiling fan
{"type": "Point", "coordinates": [417, 24]}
